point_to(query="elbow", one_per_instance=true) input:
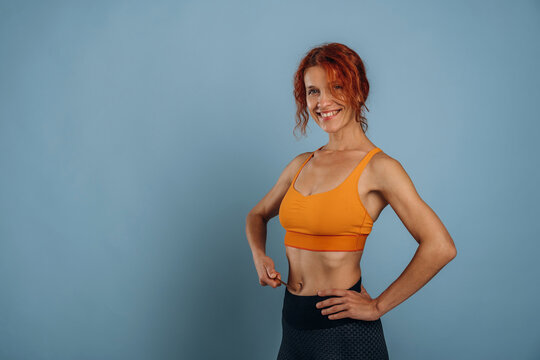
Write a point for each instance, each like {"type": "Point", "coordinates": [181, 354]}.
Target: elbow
{"type": "Point", "coordinates": [443, 250]}
{"type": "Point", "coordinates": [447, 249]}
{"type": "Point", "coordinates": [253, 215]}
{"type": "Point", "coordinates": [249, 218]}
{"type": "Point", "coordinates": [451, 253]}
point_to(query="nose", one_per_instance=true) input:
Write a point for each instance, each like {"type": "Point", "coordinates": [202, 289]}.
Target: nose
{"type": "Point", "coordinates": [324, 99]}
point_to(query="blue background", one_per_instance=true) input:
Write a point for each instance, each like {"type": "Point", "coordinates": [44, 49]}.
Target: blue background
{"type": "Point", "coordinates": [136, 136]}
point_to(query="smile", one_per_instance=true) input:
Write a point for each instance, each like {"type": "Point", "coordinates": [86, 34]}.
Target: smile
{"type": "Point", "coordinates": [328, 114]}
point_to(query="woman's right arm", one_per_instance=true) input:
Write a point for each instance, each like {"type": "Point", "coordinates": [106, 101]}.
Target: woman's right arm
{"type": "Point", "coordinates": [258, 217]}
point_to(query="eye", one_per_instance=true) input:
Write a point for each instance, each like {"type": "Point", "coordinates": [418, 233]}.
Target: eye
{"type": "Point", "coordinates": [309, 91]}
{"type": "Point", "coordinates": [339, 87]}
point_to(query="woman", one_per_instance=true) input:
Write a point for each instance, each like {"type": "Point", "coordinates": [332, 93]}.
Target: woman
{"type": "Point", "coordinates": [327, 201]}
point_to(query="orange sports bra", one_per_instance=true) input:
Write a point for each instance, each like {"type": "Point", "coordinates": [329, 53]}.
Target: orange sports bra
{"type": "Point", "coordinates": [334, 220]}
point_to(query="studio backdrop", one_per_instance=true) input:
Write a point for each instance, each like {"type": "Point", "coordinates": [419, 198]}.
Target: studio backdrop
{"type": "Point", "coordinates": [136, 136]}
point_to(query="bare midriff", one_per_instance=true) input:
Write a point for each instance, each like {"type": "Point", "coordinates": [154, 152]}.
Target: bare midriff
{"type": "Point", "coordinates": [311, 271]}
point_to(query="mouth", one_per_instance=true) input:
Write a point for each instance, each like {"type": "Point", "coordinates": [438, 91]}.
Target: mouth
{"type": "Point", "coordinates": [327, 115]}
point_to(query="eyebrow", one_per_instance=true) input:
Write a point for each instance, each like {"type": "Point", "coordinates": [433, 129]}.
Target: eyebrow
{"type": "Point", "coordinates": [311, 86]}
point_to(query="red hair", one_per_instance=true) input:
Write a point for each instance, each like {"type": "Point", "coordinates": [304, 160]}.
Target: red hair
{"type": "Point", "coordinates": [342, 65]}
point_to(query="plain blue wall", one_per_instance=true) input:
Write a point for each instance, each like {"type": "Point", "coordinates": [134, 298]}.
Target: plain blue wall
{"type": "Point", "coordinates": [136, 136]}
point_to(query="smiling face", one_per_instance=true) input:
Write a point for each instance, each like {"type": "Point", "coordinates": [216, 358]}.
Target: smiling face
{"type": "Point", "coordinates": [330, 113]}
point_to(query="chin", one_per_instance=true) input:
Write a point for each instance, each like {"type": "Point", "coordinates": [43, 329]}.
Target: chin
{"type": "Point", "coordinates": [330, 130]}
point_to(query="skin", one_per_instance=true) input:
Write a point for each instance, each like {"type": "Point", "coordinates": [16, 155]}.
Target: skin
{"type": "Point", "coordinates": [383, 182]}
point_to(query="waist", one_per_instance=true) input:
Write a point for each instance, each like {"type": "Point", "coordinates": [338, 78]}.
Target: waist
{"type": "Point", "coordinates": [325, 242]}
{"type": "Point", "coordinates": [301, 311]}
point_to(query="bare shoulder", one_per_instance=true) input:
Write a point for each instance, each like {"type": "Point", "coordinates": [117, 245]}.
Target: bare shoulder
{"type": "Point", "coordinates": [292, 168]}
{"type": "Point", "coordinates": [387, 173]}
{"type": "Point", "coordinates": [268, 206]}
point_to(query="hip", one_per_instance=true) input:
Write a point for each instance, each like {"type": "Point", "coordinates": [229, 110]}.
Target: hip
{"type": "Point", "coordinates": [301, 312]}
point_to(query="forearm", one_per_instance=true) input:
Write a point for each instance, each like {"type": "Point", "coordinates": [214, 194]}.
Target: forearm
{"type": "Point", "coordinates": [427, 261]}
{"type": "Point", "coordinates": [256, 234]}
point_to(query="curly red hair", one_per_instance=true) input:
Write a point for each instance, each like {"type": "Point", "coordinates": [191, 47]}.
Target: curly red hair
{"type": "Point", "coordinates": [342, 65]}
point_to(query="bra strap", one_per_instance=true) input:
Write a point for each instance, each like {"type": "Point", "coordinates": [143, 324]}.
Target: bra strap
{"type": "Point", "coordinates": [362, 165]}
{"type": "Point", "coordinates": [304, 163]}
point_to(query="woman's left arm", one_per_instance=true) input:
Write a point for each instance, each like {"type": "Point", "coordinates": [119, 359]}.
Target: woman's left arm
{"type": "Point", "coordinates": [436, 247]}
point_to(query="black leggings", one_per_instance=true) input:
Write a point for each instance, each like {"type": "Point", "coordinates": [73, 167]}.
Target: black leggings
{"type": "Point", "coordinates": [309, 335]}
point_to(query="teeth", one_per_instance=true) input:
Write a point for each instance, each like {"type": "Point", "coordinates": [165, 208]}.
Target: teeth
{"type": "Point", "coordinates": [329, 113]}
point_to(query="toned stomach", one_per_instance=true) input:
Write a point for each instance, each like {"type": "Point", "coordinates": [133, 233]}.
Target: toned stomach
{"type": "Point", "coordinates": [311, 271]}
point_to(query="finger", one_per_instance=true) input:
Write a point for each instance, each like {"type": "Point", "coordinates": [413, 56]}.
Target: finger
{"type": "Point", "coordinates": [270, 271]}
{"type": "Point", "coordinates": [334, 309]}
{"type": "Point", "coordinates": [364, 291]}
{"type": "Point", "coordinates": [339, 315]}
{"type": "Point", "coordinates": [329, 302]}
{"type": "Point", "coordinates": [267, 281]}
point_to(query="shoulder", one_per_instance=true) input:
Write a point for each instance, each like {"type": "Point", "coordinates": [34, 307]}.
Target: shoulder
{"type": "Point", "coordinates": [299, 159]}
{"type": "Point", "coordinates": [381, 162]}
{"type": "Point", "coordinates": [292, 168]}
{"type": "Point", "coordinates": [294, 165]}
{"type": "Point", "coordinates": [387, 173]}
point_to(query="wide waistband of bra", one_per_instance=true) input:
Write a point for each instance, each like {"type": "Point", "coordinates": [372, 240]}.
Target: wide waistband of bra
{"type": "Point", "coordinates": [325, 242]}
{"type": "Point", "coordinates": [301, 312]}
